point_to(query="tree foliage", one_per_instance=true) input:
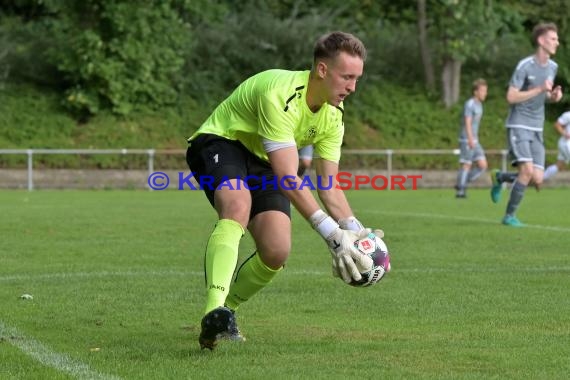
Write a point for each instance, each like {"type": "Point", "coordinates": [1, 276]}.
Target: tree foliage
{"type": "Point", "coordinates": [252, 41]}
{"type": "Point", "coordinates": [119, 54]}
{"type": "Point", "coordinates": [112, 54]}
{"type": "Point", "coordinates": [464, 30]}
{"type": "Point", "coordinates": [123, 56]}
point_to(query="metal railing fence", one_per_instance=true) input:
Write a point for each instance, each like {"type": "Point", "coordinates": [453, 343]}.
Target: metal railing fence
{"type": "Point", "coordinates": [152, 153]}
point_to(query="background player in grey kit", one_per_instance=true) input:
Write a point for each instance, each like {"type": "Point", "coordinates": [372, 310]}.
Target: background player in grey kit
{"type": "Point", "coordinates": [469, 146]}
{"type": "Point", "coordinates": [562, 126]}
{"type": "Point", "coordinates": [531, 85]}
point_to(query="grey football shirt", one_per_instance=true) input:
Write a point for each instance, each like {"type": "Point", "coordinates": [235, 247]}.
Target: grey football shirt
{"type": "Point", "coordinates": [474, 109]}
{"type": "Point", "coordinates": [529, 74]}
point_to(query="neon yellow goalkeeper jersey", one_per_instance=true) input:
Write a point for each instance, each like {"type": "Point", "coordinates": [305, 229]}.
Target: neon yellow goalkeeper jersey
{"type": "Point", "coordinates": [272, 105]}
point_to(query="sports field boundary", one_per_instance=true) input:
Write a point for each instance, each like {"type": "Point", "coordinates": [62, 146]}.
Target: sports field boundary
{"type": "Point", "coordinates": [48, 357]}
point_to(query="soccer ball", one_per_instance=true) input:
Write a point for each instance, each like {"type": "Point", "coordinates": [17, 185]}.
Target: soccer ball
{"type": "Point", "coordinates": [374, 247]}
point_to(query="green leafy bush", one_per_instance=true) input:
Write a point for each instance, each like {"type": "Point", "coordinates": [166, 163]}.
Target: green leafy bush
{"type": "Point", "coordinates": [119, 55]}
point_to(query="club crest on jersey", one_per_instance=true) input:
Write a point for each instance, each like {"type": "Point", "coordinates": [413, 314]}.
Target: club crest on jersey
{"type": "Point", "coordinates": [310, 133]}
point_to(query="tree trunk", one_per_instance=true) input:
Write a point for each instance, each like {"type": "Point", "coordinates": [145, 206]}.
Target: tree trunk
{"type": "Point", "coordinates": [424, 47]}
{"type": "Point", "coordinates": [450, 80]}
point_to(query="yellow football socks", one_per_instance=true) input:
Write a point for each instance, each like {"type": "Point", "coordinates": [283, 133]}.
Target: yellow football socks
{"type": "Point", "coordinates": [252, 276]}
{"type": "Point", "coordinates": [220, 261]}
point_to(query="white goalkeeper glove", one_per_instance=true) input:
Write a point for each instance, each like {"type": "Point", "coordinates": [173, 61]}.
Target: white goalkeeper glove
{"type": "Point", "coordinates": [353, 224]}
{"type": "Point", "coordinates": [346, 259]}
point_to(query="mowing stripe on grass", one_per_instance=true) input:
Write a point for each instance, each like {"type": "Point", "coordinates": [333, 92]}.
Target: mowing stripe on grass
{"type": "Point", "coordinates": [462, 269]}
{"type": "Point", "coordinates": [44, 355]}
{"type": "Point", "coordinates": [467, 219]}
{"type": "Point", "coordinates": [101, 274]}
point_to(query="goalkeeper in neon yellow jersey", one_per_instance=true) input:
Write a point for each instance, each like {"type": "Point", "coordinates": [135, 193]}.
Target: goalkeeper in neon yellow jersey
{"type": "Point", "coordinates": [248, 146]}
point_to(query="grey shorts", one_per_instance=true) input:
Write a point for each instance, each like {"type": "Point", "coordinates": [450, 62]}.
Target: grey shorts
{"type": "Point", "coordinates": [467, 156]}
{"type": "Point", "coordinates": [564, 150]}
{"type": "Point", "coordinates": [526, 146]}
{"type": "Point", "coordinates": [306, 152]}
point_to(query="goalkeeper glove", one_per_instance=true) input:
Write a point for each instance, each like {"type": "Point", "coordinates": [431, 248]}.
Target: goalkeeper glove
{"type": "Point", "coordinates": [353, 224]}
{"type": "Point", "coordinates": [346, 259]}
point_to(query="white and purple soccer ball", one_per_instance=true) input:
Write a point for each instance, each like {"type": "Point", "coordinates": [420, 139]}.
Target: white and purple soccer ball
{"type": "Point", "coordinates": [376, 249]}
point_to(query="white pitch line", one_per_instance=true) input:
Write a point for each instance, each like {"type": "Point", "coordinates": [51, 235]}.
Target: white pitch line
{"type": "Point", "coordinates": [468, 219]}
{"type": "Point", "coordinates": [46, 356]}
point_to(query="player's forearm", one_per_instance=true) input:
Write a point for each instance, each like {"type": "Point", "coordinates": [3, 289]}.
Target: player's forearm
{"type": "Point", "coordinates": [302, 199]}
{"type": "Point", "coordinates": [516, 96]}
{"type": "Point", "coordinates": [555, 95]}
{"type": "Point", "coordinates": [468, 129]}
{"type": "Point", "coordinates": [561, 130]}
{"type": "Point", "coordinates": [336, 203]}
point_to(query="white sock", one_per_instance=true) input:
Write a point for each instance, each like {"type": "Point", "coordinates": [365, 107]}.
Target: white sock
{"type": "Point", "coordinates": [550, 171]}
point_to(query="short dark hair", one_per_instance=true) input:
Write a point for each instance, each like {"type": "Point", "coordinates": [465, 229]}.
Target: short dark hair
{"type": "Point", "coordinates": [478, 83]}
{"type": "Point", "coordinates": [332, 44]}
{"type": "Point", "coordinates": [542, 29]}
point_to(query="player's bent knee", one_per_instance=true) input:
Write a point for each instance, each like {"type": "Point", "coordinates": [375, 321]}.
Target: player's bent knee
{"type": "Point", "coordinates": [274, 253]}
{"type": "Point", "coordinates": [274, 258]}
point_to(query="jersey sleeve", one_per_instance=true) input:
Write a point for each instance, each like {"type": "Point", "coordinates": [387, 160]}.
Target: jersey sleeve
{"type": "Point", "coordinates": [275, 124]}
{"type": "Point", "coordinates": [518, 78]}
{"type": "Point", "coordinates": [469, 109]}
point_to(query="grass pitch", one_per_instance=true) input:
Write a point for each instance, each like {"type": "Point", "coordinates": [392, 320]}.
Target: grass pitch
{"type": "Point", "coordinates": [118, 291]}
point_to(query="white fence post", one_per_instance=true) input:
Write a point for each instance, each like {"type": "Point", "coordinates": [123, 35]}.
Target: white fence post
{"type": "Point", "coordinates": [389, 153]}
{"type": "Point", "coordinates": [30, 153]}
{"type": "Point", "coordinates": [150, 153]}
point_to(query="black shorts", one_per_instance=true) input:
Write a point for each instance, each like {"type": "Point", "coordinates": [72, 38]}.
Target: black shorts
{"type": "Point", "coordinates": [215, 160]}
